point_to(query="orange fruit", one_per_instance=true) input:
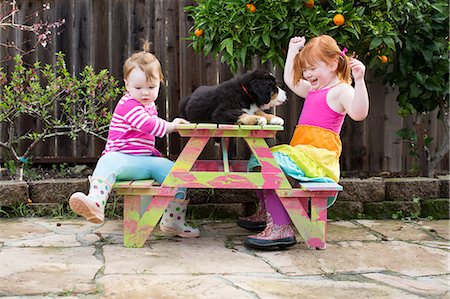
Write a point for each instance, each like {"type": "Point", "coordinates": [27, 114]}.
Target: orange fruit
{"type": "Point", "coordinates": [251, 7]}
{"type": "Point", "coordinates": [338, 20]}
{"type": "Point", "coordinates": [383, 59]}
{"type": "Point", "coordinates": [198, 32]}
{"type": "Point", "coordinates": [309, 4]}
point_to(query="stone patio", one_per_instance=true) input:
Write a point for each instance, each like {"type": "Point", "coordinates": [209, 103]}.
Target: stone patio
{"type": "Point", "coordinates": [46, 258]}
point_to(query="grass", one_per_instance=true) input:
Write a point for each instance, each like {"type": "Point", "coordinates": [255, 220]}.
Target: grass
{"type": "Point", "coordinates": [55, 211]}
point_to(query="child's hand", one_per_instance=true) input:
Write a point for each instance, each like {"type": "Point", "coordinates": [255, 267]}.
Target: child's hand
{"type": "Point", "coordinates": [296, 43]}
{"type": "Point", "coordinates": [171, 126]}
{"type": "Point", "coordinates": [180, 121]}
{"type": "Point", "coordinates": [358, 69]}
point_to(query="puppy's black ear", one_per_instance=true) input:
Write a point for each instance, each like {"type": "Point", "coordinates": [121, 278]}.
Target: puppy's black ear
{"type": "Point", "coordinates": [262, 89]}
{"type": "Point", "coordinates": [182, 107]}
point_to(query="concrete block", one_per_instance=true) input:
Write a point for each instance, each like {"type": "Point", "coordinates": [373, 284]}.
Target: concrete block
{"type": "Point", "coordinates": [56, 191]}
{"type": "Point", "coordinates": [215, 211]}
{"type": "Point", "coordinates": [388, 209]}
{"type": "Point", "coordinates": [370, 190]}
{"type": "Point", "coordinates": [445, 186]}
{"type": "Point", "coordinates": [201, 196]}
{"type": "Point", "coordinates": [437, 208]}
{"type": "Point", "coordinates": [13, 191]}
{"type": "Point", "coordinates": [345, 210]}
{"type": "Point", "coordinates": [406, 189]}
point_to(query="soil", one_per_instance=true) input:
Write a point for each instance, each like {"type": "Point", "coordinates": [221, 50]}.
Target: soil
{"type": "Point", "coordinates": [43, 172]}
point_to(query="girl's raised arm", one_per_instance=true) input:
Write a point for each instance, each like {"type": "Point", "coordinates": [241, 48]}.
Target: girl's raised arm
{"type": "Point", "coordinates": [302, 87]}
{"type": "Point", "coordinates": [357, 107]}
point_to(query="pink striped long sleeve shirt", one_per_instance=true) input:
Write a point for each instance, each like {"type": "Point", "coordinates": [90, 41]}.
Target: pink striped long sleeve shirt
{"type": "Point", "coordinates": [134, 127]}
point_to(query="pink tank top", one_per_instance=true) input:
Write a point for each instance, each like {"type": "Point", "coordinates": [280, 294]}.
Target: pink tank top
{"type": "Point", "coordinates": [316, 112]}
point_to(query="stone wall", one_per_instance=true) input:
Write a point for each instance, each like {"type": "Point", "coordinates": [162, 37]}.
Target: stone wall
{"type": "Point", "coordinates": [377, 198]}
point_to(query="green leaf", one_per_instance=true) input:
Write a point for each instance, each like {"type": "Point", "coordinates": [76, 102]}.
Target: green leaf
{"type": "Point", "coordinates": [352, 31]}
{"type": "Point", "coordinates": [389, 42]}
{"type": "Point", "coordinates": [225, 43]}
{"type": "Point", "coordinates": [243, 55]}
{"type": "Point", "coordinates": [428, 55]}
{"type": "Point", "coordinates": [266, 38]}
{"type": "Point", "coordinates": [415, 90]}
{"type": "Point", "coordinates": [376, 41]}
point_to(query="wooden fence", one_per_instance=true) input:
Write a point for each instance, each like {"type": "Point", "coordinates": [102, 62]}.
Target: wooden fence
{"type": "Point", "coordinates": [103, 33]}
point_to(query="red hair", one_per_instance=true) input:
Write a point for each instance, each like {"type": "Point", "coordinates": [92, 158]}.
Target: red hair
{"type": "Point", "coordinates": [322, 48]}
{"type": "Point", "coordinates": [146, 62]}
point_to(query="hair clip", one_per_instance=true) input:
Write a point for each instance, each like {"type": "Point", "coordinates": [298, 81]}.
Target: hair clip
{"type": "Point", "coordinates": [343, 52]}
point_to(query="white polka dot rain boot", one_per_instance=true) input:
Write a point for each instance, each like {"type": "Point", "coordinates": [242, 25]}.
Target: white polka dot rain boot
{"type": "Point", "coordinates": [92, 206]}
{"type": "Point", "coordinates": [173, 221]}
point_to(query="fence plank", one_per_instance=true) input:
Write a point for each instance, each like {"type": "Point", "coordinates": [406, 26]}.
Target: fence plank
{"type": "Point", "coordinates": [376, 130]}
{"type": "Point", "coordinates": [393, 144]}
{"type": "Point", "coordinates": [46, 55]}
{"type": "Point", "coordinates": [172, 56]}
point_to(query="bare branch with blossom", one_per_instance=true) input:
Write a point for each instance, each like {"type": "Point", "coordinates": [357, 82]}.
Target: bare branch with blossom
{"type": "Point", "coordinates": [42, 30]}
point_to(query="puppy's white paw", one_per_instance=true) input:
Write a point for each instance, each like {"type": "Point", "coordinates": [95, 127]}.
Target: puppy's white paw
{"type": "Point", "coordinates": [262, 121]}
{"type": "Point", "coordinates": [277, 121]}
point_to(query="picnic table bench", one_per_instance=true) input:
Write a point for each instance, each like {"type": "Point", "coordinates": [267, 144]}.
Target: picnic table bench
{"type": "Point", "coordinates": [145, 201]}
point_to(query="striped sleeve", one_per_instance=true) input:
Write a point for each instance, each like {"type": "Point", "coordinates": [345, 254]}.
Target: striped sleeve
{"type": "Point", "coordinates": [145, 120]}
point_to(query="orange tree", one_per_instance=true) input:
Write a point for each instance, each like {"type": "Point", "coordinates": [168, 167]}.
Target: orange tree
{"type": "Point", "coordinates": [420, 72]}
{"type": "Point", "coordinates": [408, 39]}
{"type": "Point", "coordinates": [239, 34]}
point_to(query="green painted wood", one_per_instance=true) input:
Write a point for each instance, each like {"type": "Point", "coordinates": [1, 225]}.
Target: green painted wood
{"type": "Point", "coordinates": [186, 126]}
{"type": "Point", "coordinates": [206, 126]}
{"type": "Point", "coordinates": [142, 184]}
{"type": "Point", "coordinates": [250, 127]}
{"type": "Point", "coordinates": [296, 192]}
{"type": "Point", "coordinates": [226, 166]}
{"type": "Point", "coordinates": [190, 153]}
{"type": "Point", "coordinates": [273, 127]}
{"type": "Point", "coordinates": [229, 127]}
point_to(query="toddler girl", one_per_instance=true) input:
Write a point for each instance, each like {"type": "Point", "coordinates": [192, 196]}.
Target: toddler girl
{"type": "Point", "coordinates": [130, 152]}
{"type": "Point", "coordinates": [321, 73]}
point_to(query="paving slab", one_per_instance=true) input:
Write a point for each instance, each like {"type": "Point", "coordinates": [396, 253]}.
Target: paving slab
{"type": "Point", "coordinates": [437, 287]}
{"type": "Point", "coordinates": [348, 230]}
{"type": "Point", "coordinates": [360, 257]}
{"type": "Point", "coordinates": [193, 256]}
{"type": "Point", "coordinates": [28, 271]}
{"type": "Point", "coordinates": [48, 258]}
{"type": "Point", "coordinates": [439, 227]}
{"type": "Point", "coordinates": [171, 286]}
{"type": "Point", "coordinates": [397, 230]}
{"type": "Point", "coordinates": [18, 229]}
{"type": "Point", "coordinates": [318, 288]}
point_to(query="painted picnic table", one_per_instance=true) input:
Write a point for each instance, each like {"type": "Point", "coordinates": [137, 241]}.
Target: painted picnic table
{"type": "Point", "coordinates": [144, 202]}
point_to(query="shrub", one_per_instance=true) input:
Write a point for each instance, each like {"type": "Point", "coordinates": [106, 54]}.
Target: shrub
{"type": "Point", "coordinates": [63, 104]}
{"type": "Point", "coordinates": [420, 72]}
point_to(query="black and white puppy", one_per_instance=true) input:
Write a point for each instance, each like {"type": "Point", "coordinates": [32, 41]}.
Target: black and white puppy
{"type": "Point", "coordinates": [241, 100]}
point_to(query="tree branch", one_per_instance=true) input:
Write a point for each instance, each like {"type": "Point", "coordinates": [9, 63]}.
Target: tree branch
{"type": "Point", "coordinates": [444, 148]}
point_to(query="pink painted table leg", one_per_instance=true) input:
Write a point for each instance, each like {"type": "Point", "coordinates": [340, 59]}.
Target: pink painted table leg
{"type": "Point", "coordinates": [138, 227]}
{"type": "Point", "coordinates": [311, 229]}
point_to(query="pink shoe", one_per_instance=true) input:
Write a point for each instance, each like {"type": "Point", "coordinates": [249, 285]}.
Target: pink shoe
{"type": "Point", "coordinates": [281, 236]}
{"type": "Point", "coordinates": [255, 222]}
{"type": "Point", "coordinates": [85, 206]}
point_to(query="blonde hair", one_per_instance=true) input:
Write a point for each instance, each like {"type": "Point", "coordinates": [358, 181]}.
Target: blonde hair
{"type": "Point", "coordinates": [322, 48]}
{"type": "Point", "coordinates": [145, 61]}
